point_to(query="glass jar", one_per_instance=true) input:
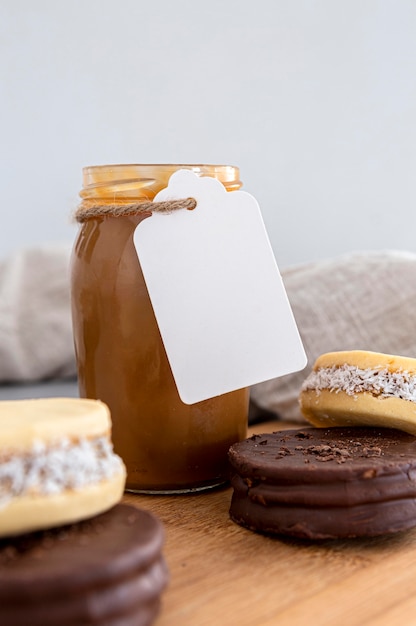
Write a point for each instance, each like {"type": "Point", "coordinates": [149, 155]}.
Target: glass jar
{"type": "Point", "coordinates": [167, 446]}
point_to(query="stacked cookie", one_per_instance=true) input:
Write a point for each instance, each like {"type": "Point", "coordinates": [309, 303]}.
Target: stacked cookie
{"type": "Point", "coordinates": [70, 553]}
{"type": "Point", "coordinates": [355, 474]}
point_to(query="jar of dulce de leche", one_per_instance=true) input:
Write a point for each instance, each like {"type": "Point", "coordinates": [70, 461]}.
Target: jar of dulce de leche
{"type": "Point", "coordinates": [167, 446]}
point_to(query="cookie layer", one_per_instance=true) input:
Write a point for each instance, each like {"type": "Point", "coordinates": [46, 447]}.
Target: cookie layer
{"type": "Point", "coordinates": [325, 483]}
{"type": "Point", "coordinates": [57, 463]}
{"type": "Point", "coordinates": [361, 388]}
{"type": "Point", "coordinates": [24, 423]}
{"type": "Point", "coordinates": [107, 570]}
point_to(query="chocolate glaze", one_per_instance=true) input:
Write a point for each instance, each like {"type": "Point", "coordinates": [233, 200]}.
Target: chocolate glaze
{"type": "Point", "coordinates": [316, 483]}
{"type": "Point", "coordinates": [106, 570]}
{"type": "Point", "coordinates": [326, 522]}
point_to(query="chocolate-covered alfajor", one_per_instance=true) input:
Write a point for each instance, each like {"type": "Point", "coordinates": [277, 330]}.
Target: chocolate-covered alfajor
{"type": "Point", "coordinates": [104, 571]}
{"type": "Point", "coordinates": [321, 483]}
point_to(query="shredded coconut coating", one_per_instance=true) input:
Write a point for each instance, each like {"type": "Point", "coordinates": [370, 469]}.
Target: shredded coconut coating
{"type": "Point", "coordinates": [353, 380]}
{"type": "Point", "coordinates": [49, 470]}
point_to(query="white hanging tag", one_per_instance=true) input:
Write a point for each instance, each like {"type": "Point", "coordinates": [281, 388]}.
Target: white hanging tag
{"type": "Point", "coordinates": [216, 291]}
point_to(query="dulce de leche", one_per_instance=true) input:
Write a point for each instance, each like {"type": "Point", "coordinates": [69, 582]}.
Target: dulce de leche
{"type": "Point", "coordinates": [167, 446]}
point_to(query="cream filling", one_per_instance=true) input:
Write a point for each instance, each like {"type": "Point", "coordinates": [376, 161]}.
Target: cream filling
{"type": "Point", "coordinates": [353, 380]}
{"type": "Point", "coordinates": [50, 470]}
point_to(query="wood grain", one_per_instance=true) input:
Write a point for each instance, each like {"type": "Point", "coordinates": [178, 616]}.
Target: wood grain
{"type": "Point", "coordinates": [222, 574]}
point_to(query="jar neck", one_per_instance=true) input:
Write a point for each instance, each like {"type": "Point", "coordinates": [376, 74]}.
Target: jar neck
{"type": "Point", "coordinates": [122, 184]}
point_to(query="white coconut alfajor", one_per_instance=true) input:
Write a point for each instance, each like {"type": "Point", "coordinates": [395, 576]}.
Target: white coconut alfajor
{"type": "Point", "coordinates": [57, 464]}
{"type": "Point", "coordinates": [360, 387]}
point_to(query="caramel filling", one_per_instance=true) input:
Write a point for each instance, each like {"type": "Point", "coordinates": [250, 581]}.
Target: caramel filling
{"type": "Point", "coordinates": [50, 470]}
{"type": "Point", "coordinates": [352, 380]}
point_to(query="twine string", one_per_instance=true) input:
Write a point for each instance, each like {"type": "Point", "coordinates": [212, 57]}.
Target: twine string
{"type": "Point", "coordinates": [88, 211]}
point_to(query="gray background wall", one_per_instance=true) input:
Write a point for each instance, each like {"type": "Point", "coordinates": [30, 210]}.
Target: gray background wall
{"type": "Point", "coordinates": [314, 100]}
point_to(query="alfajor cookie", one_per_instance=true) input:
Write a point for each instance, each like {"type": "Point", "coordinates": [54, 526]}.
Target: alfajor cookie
{"type": "Point", "coordinates": [57, 464]}
{"type": "Point", "coordinates": [361, 388]}
{"type": "Point", "coordinates": [325, 483]}
{"type": "Point", "coordinates": [105, 571]}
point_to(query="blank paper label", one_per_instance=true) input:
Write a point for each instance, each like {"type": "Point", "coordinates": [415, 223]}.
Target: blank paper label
{"type": "Point", "coordinates": [216, 290]}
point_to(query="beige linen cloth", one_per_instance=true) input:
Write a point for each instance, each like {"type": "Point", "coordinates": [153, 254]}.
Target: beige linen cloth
{"type": "Point", "coordinates": [35, 316]}
{"type": "Point", "coordinates": [358, 301]}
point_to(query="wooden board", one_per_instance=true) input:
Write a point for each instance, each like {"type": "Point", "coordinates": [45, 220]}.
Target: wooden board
{"type": "Point", "coordinates": [224, 575]}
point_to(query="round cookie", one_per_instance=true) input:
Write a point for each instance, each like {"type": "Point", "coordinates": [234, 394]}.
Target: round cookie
{"type": "Point", "coordinates": [106, 571]}
{"type": "Point", "coordinates": [57, 464]}
{"type": "Point", "coordinates": [361, 388]}
{"type": "Point", "coordinates": [321, 483]}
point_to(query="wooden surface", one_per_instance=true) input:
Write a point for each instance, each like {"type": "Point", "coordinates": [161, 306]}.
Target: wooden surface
{"type": "Point", "coordinates": [224, 575]}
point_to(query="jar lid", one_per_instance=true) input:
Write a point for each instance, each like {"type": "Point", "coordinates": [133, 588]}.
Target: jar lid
{"type": "Point", "coordinates": [124, 182]}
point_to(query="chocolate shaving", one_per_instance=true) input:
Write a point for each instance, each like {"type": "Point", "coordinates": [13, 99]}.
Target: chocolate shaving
{"type": "Point", "coordinates": [328, 453]}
